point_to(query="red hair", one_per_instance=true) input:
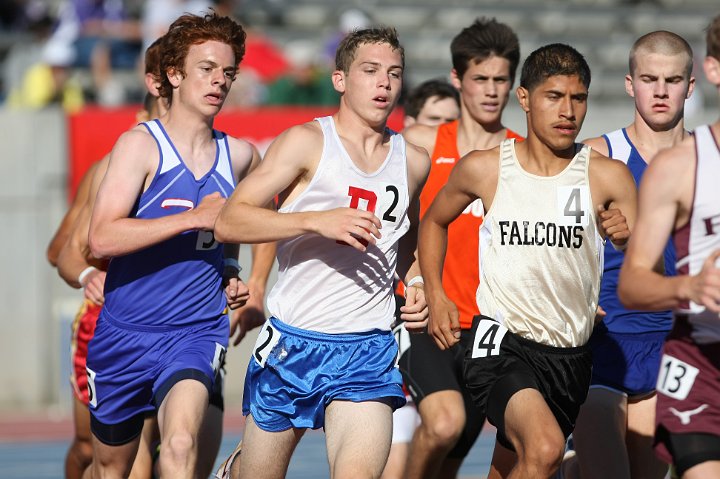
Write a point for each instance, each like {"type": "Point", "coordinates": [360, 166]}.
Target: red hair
{"type": "Point", "coordinates": [190, 30]}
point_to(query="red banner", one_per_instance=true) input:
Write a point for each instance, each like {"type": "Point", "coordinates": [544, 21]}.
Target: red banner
{"type": "Point", "coordinates": [93, 131]}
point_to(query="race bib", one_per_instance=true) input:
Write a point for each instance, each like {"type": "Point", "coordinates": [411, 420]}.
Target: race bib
{"type": "Point", "coordinates": [402, 337]}
{"type": "Point", "coordinates": [219, 358]}
{"type": "Point", "coordinates": [488, 337]}
{"type": "Point", "coordinates": [676, 377]}
{"type": "Point", "coordinates": [92, 393]}
{"type": "Point", "coordinates": [266, 341]}
{"type": "Point", "coordinates": [573, 203]}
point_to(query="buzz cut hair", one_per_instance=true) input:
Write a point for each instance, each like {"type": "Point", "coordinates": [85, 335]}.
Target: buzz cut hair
{"type": "Point", "coordinates": [664, 43]}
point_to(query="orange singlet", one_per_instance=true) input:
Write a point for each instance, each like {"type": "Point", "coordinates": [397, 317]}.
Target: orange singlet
{"type": "Point", "coordinates": [461, 273]}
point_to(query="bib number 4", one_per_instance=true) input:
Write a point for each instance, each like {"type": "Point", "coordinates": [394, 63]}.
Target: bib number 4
{"type": "Point", "coordinates": [488, 338]}
{"type": "Point", "coordinates": [573, 205]}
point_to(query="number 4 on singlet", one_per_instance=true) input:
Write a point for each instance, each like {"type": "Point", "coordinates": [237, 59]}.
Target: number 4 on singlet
{"type": "Point", "coordinates": [573, 204]}
{"type": "Point", "coordinates": [488, 337]}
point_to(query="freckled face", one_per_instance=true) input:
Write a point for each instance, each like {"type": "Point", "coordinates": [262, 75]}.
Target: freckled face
{"type": "Point", "coordinates": [209, 72]}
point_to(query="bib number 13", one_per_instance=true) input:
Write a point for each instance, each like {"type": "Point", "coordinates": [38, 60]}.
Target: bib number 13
{"type": "Point", "coordinates": [488, 338]}
{"type": "Point", "coordinates": [676, 377]}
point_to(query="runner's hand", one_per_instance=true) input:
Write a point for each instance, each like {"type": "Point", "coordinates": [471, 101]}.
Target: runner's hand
{"type": "Point", "coordinates": [615, 226]}
{"type": "Point", "coordinates": [444, 322]}
{"type": "Point", "coordinates": [207, 211]}
{"type": "Point", "coordinates": [236, 292]}
{"type": "Point", "coordinates": [356, 228]}
{"type": "Point", "coordinates": [415, 312]}
{"type": "Point", "coordinates": [705, 286]}
{"type": "Point", "coordinates": [94, 286]}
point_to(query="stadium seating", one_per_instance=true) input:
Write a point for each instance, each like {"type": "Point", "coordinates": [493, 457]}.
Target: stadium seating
{"type": "Point", "coordinates": [603, 30]}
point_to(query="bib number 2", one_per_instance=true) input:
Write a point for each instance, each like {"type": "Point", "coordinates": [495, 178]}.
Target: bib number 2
{"type": "Point", "coordinates": [266, 341]}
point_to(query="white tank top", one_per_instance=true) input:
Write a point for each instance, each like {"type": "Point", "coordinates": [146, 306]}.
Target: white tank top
{"type": "Point", "coordinates": [334, 288]}
{"type": "Point", "coordinates": [695, 241]}
{"type": "Point", "coordinates": [540, 253]}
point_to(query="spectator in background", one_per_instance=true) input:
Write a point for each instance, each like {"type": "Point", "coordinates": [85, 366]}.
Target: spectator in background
{"type": "Point", "coordinates": [306, 82]}
{"type": "Point", "coordinates": [104, 38]}
{"type": "Point", "coordinates": [35, 73]}
{"type": "Point", "coordinates": [49, 82]}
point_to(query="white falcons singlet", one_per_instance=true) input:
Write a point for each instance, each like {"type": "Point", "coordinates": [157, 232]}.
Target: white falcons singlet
{"type": "Point", "coordinates": [540, 253]}
{"type": "Point", "coordinates": [695, 241]}
{"type": "Point", "coordinates": [334, 288]}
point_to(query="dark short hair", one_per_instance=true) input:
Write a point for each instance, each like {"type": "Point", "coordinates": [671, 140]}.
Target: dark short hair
{"type": "Point", "coordinates": [553, 60]}
{"type": "Point", "coordinates": [712, 38]}
{"type": "Point", "coordinates": [417, 97]}
{"type": "Point", "coordinates": [481, 40]}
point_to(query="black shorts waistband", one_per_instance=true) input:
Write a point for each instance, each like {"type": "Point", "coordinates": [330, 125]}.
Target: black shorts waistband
{"type": "Point", "coordinates": [546, 348]}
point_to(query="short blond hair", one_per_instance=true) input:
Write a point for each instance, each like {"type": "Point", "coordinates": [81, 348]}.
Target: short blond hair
{"type": "Point", "coordinates": [664, 43]}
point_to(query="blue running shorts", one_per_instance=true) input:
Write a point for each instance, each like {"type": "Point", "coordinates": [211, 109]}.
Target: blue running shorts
{"type": "Point", "coordinates": [626, 362]}
{"type": "Point", "coordinates": [132, 368]}
{"type": "Point", "coordinates": [294, 374]}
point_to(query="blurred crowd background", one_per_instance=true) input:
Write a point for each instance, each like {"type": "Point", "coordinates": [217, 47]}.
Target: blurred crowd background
{"type": "Point", "coordinates": [79, 52]}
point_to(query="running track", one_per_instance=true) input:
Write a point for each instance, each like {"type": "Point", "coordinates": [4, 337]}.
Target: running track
{"type": "Point", "coordinates": [33, 447]}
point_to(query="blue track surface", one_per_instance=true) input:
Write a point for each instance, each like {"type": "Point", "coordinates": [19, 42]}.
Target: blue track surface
{"type": "Point", "coordinates": [44, 460]}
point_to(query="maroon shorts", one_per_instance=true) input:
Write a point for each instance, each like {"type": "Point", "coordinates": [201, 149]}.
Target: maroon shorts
{"type": "Point", "coordinates": [83, 331]}
{"type": "Point", "coordinates": [688, 388]}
